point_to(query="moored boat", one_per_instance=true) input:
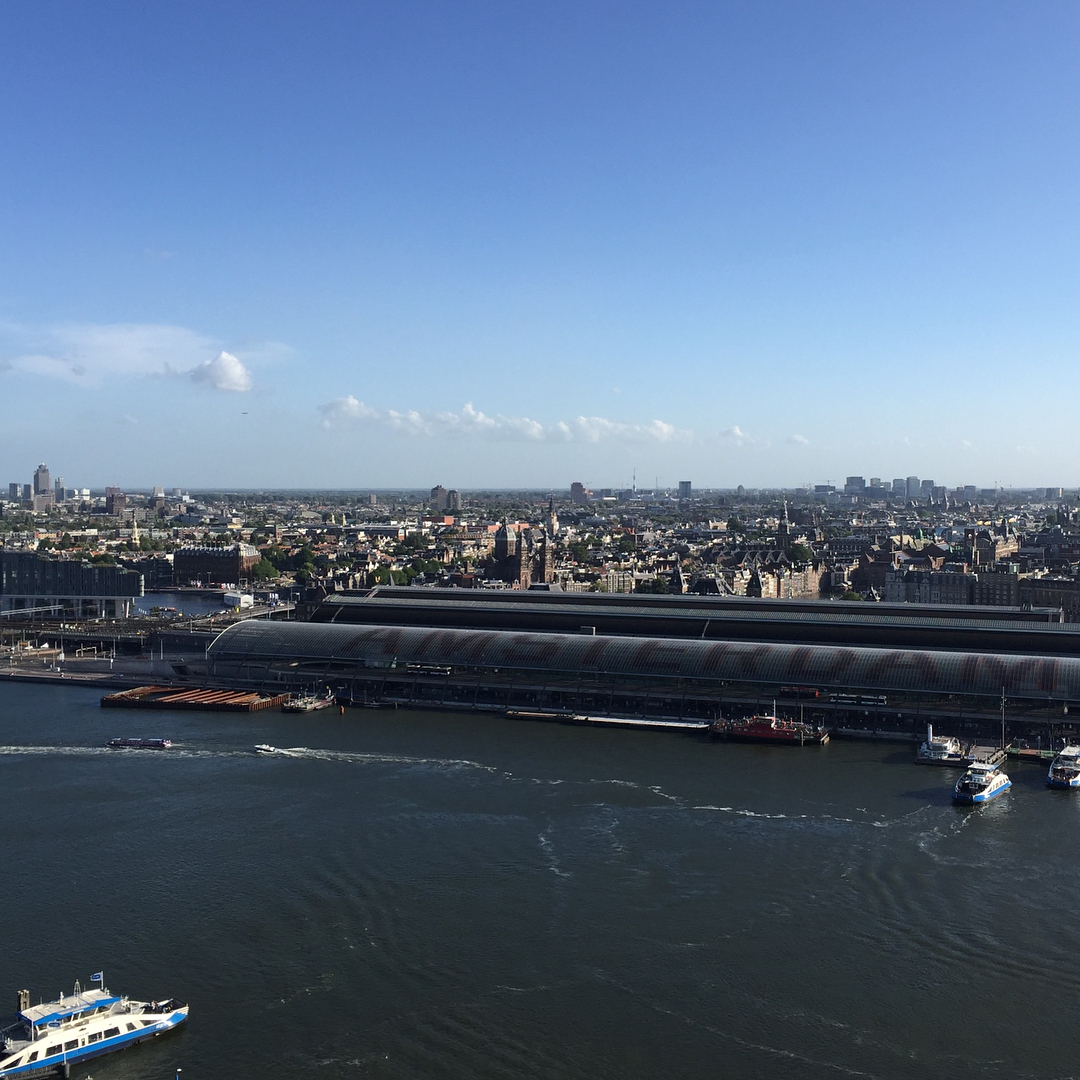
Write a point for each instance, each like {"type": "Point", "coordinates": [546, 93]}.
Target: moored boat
{"type": "Point", "coordinates": [309, 702]}
{"type": "Point", "coordinates": [940, 750]}
{"type": "Point", "coordinates": [1065, 768]}
{"type": "Point", "coordinates": [771, 729]}
{"type": "Point", "coordinates": [49, 1038]}
{"type": "Point", "coordinates": [982, 782]}
{"type": "Point", "coordinates": [140, 744]}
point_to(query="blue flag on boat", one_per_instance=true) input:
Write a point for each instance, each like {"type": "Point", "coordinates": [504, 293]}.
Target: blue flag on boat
{"type": "Point", "coordinates": [97, 976]}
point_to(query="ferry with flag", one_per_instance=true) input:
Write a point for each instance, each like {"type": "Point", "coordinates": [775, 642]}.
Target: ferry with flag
{"type": "Point", "coordinates": [50, 1037]}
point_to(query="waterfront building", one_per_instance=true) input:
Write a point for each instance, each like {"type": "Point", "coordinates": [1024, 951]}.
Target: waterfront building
{"type": "Point", "coordinates": [46, 586]}
{"type": "Point", "coordinates": [229, 564]}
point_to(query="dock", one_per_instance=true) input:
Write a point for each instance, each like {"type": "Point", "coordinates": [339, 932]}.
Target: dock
{"type": "Point", "coordinates": [206, 700]}
{"type": "Point", "coordinates": [610, 721]}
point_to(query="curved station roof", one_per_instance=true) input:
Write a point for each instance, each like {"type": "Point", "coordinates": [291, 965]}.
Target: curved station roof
{"type": "Point", "coordinates": [255, 644]}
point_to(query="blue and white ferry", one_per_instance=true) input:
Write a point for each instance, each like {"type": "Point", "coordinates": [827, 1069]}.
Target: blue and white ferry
{"type": "Point", "coordinates": [48, 1038]}
{"type": "Point", "coordinates": [982, 782]}
{"type": "Point", "coordinates": [1065, 768]}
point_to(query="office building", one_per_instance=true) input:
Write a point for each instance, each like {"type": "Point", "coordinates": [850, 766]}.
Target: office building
{"type": "Point", "coordinates": [208, 565]}
{"type": "Point", "coordinates": [685, 489]}
{"type": "Point", "coordinates": [579, 493]}
{"type": "Point", "coordinates": [66, 587]}
{"type": "Point", "coordinates": [914, 487]}
{"type": "Point", "coordinates": [42, 483]}
{"type": "Point", "coordinates": [437, 498]}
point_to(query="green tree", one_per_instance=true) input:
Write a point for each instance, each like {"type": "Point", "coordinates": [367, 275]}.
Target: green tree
{"type": "Point", "coordinates": [264, 570]}
{"type": "Point", "coordinates": [652, 585]}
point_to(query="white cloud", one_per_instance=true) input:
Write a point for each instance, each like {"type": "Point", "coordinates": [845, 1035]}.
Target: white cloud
{"type": "Point", "coordinates": [800, 440]}
{"type": "Point", "coordinates": [349, 411]}
{"type": "Point", "coordinates": [224, 372]}
{"type": "Point", "coordinates": [88, 354]}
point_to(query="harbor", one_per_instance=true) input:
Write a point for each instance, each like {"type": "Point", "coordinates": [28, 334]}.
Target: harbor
{"type": "Point", "coordinates": [378, 858]}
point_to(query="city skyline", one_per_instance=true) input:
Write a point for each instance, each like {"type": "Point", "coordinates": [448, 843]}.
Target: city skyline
{"type": "Point", "coordinates": [749, 245]}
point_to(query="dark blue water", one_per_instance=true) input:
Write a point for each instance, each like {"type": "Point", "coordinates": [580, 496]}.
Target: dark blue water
{"type": "Point", "coordinates": [411, 895]}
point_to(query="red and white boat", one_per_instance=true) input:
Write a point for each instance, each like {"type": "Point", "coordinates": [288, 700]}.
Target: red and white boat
{"type": "Point", "coordinates": [771, 729]}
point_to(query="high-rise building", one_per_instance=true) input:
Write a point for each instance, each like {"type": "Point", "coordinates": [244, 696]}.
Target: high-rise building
{"type": "Point", "coordinates": [899, 487]}
{"type": "Point", "coordinates": [58, 489]}
{"type": "Point", "coordinates": [875, 481]}
{"type": "Point", "coordinates": [579, 493]}
{"type": "Point", "coordinates": [685, 489]}
{"type": "Point", "coordinates": [14, 492]}
{"type": "Point", "coordinates": [913, 488]}
{"type": "Point", "coordinates": [437, 499]}
{"type": "Point", "coordinates": [926, 488]}
{"type": "Point", "coordinates": [453, 501]}
{"type": "Point", "coordinates": [27, 492]}
{"type": "Point", "coordinates": [855, 485]}
{"type": "Point", "coordinates": [42, 483]}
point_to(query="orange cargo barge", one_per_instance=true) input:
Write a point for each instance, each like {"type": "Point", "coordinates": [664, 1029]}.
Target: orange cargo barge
{"type": "Point", "coordinates": [171, 697]}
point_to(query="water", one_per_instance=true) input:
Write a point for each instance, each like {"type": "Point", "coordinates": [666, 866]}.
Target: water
{"type": "Point", "coordinates": [189, 603]}
{"type": "Point", "coordinates": [411, 895]}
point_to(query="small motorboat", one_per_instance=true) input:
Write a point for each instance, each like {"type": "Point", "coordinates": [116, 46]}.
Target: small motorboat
{"type": "Point", "coordinates": [266, 748]}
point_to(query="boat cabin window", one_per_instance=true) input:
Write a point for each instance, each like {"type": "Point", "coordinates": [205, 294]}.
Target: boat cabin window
{"type": "Point", "coordinates": [32, 1057]}
{"type": "Point", "coordinates": [94, 1037]}
{"type": "Point", "coordinates": [131, 1027]}
{"type": "Point", "coordinates": [146, 1023]}
{"type": "Point", "coordinates": [54, 1049]}
{"type": "Point", "coordinates": [73, 1045]}
{"type": "Point", "coordinates": [110, 1032]}
{"type": "Point", "coordinates": [12, 1064]}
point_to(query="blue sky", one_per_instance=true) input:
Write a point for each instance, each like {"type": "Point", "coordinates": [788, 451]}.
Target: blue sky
{"type": "Point", "coordinates": [492, 244]}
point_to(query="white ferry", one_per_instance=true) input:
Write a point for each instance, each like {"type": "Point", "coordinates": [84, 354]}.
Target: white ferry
{"type": "Point", "coordinates": [1065, 768]}
{"type": "Point", "coordinates": [49, 1038]}
{"type": "Point", "coordinates": [982, 782]}
{"type": "Point", "coordinates": [940, 750]}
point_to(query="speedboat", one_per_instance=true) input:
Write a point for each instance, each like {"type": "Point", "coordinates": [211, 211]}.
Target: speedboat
{"type": "Point", "coordinates": [940, 750]}
{"type": "Point", "coordinates": [140, 744]}
{"type": "Point", "coordinates": [50, 1037]}
{"type": "Point", "coordinates": [1065, 768]}
{"type": "Point", "coordinates": [982, 782]}
{"type": "Point", "coordinates": [266, 748]}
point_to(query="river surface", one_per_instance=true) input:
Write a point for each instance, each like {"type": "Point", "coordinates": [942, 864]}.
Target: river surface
{"type": "Point", "coordinates": [411, 895]}
{"type": "Point", "coordinates": [188, 603]}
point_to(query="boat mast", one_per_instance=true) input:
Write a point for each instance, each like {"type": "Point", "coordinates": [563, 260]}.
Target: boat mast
{"type": "Point", "coordinates": [1003, 718]}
